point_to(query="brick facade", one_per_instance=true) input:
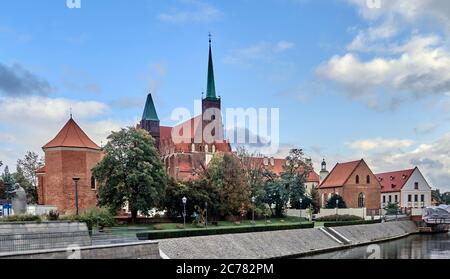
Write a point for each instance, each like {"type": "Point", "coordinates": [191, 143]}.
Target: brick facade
{"type": "Point", "coordinates": [351, 190]}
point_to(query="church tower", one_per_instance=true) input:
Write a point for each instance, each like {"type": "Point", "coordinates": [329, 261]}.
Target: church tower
{"type": "Point", "coordinates": [150, 121]}
{"type": "Point", "coordinates": [323, 171]}
{"type": "Point", "coordinates": [211, 104]}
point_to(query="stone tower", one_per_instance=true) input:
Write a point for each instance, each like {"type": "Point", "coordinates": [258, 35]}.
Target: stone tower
{"type": "Point", "coordinates": [150, 121]}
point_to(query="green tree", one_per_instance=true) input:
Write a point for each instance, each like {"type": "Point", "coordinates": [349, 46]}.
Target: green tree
{"type": "Point", "coordinates": [131, 172]}
{"type": "Point", "coordinates": [8, 182]}
{"type": "Point", "coordinates": [26, 174]}
{"type": "Point", "coordinates": [314, 200]}
{"type": "Point", "coordinates": [392, 208]}
{"type": "Point", "coordinates": [225, 174]}
{"type": "Point", "coordinates": [277, 194]}
{"type": "Point", "coordinates": [197, 192]}
{"type": "Point", "coordinates": [336, 199]}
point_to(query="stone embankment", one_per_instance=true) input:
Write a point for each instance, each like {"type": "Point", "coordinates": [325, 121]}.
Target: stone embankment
{"type": "Point", "coordinates": [282, 244]}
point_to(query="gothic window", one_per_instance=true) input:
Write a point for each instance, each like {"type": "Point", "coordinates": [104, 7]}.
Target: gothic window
{"type": "Point", "coordinates": [272, 162]}
{"type": "Point", "coordinates": [193, 147]}
{"type": "Point", "coordinates": [93, 183]}
{"type": "Point", "coordinates": [206, 148]}
{"type": "Point", "coordinates": [213, 149]}
{"type": "Point", "coordinates": [368, 179]}
{"type": "Point", "coordinates": [361, 200]}
{"type": "Point", "coordinates": [323, 200]}
{"type": "Point", "coordinates": [266, 161]}
{"type": "Point", "coordinates": [357, 179]}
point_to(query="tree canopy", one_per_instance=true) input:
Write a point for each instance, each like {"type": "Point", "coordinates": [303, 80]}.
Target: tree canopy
{"type": "Point", "coordinates": [131, 173]}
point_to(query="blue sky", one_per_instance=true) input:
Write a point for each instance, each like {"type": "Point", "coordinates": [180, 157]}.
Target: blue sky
{"type": "Point", "coordinates": [350, 81]}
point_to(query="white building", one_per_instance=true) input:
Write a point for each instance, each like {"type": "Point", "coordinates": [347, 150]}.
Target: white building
{"type": "Point", "coordinates": [407, 188]}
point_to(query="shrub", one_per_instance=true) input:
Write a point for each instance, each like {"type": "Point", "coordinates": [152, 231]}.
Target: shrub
{"type": "Point", "coordinates": [21, 218]}
{"type": "Point", "coordinates": [216, 231]}
{"type": "Point", "coordinates": [97, 216]}
{"type": "Point", "coordinates": [339, 218]}
{"type": "Point", "coordinates": [53, 215]}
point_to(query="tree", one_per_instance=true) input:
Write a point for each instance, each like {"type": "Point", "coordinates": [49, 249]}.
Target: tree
{"type": "Point", "coordinates": [336, 199]}
{"type": "Point", "coordinates": [294, 176]}
{"type": "Point", "coordinates": [315, 200]}
{"type": "Point", "coordinates": [131, 172]}
{"type": "Point", "coordinates": [392, 208]}
{"type": "Point", "coordinates": [197, 193]}
{"type": "Point", "coordinates": [26, 174]}
{"type": "Point", "coordinates": [8, 182]}
{"type": "Point", "coordinates": [254, 172]}
{"type": "Point", "coordinates": [225, 174]}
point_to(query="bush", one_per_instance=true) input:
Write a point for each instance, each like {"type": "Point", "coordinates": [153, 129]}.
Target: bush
{"type": "Point", "coordinates": [339, 218]}
{"type": "Point", "coordinates": [216, 231]}
{"type": "Point", "coordinates": [351, 223]}
{"type": "Point", "coordinates": [53, 215]}
{"type": "Point", "coordinates": [92, 217]}
{"type": "Point", "coordinates": [21, 218]}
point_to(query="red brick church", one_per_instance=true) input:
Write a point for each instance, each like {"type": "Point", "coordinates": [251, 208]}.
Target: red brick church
{"type": "Point", "coordinates": [186, 150]}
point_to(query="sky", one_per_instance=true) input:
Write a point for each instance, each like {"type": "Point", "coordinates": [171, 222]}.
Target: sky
{"type": "Point", "coordinates": [352, 78]}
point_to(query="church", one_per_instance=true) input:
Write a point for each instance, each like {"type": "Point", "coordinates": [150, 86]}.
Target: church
{"type": "Point", "coordinates": [66, 181]}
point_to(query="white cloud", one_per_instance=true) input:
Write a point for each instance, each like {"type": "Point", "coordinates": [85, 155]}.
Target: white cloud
{"type": "Point", "coordinates": [194, 11]}
{"type": "Point", "coordinates": [29, 123]}
{"type": "Point", "coordinates": [380, 144]}
{"type": "Point", "coordinates": [262, 51]}
{"type": "Point", "coordinates": [418, 68]}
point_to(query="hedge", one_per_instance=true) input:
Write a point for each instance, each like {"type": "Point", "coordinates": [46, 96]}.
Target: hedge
{"type": "Point", "coordinates": [350, 223]}
{"type": "Point", "coordinates": [216, 231]}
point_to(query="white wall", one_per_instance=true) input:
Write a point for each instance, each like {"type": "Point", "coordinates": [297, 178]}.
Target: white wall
{"type": "Point", "coordinates": [393, 198]}
{"type": "Point", "coordinates": [409, 189]}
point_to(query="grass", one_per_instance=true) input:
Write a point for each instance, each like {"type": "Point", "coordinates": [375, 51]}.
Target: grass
{"type": "Point", "coordinates": [133, 229]}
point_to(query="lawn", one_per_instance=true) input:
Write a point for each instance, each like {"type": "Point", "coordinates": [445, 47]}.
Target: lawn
{"type": "Point", "coordinates": [133, 229]}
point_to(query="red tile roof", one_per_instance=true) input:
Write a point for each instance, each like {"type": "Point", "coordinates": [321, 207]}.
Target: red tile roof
{"type": "Point", "coordinates": [313, 177]}
{"type": "Point", "coordinates": [393, 181]}
{"type": "Point", "coordinates": [340, 174]}
{"type": "Point", "coordinates": [71, 135]}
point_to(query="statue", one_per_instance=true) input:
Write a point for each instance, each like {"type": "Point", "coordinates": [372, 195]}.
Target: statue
{"type": "Point", "coordinates": [19, 199]}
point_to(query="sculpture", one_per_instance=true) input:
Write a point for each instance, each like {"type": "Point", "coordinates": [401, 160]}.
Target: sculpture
{"type": "Point", "coordinates": [19, 199]}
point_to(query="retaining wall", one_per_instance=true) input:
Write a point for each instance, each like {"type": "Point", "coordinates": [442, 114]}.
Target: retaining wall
{"type": "Point", "coordinates": [279, 244]}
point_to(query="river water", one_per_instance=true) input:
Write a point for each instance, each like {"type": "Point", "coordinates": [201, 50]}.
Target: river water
{"type": "Point", "coordinates": [419, 246]}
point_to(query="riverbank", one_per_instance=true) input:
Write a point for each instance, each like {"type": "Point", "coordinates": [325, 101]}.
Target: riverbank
{"type": "Point", "coordinates": [281, 244]}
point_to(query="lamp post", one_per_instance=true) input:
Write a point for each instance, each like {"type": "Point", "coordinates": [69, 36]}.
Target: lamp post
{"type": "Point", "coordinates": [206, 210]}
{"type": "Point", "coordinates": [337, 208]}
{"type": "Point", "coordinates": [301, 203]}
{"type": "Point", "coordinates": [75, 180]}
{"type": "Point", "coordinates": [184, 200]}
{"type": "Point", "coordinates": [253, 210]}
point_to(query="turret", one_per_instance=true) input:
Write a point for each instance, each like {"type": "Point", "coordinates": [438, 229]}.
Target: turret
{"type": "Point", "coordinates": [150, 121]}
{"type": "Point", "coordinates": [323, 171]}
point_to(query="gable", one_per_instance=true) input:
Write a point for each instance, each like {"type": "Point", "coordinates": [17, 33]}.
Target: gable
{"type": "Point", "coordinates": [417, 176]}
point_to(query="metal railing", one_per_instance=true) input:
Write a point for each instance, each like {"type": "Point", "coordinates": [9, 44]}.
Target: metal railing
{"type": "Point", "coordinates": [42, 241]}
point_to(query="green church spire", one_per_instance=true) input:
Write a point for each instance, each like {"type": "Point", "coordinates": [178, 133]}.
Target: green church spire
{"type": "Point", "coordinates": [150, 111]}
{"type": "Point", "coordinates": [211, 88]}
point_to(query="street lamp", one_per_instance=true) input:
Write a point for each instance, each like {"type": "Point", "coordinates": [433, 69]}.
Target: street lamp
{"type": "Point", "coordinates": [337, 208]}
{"type": "Point", "coordinates": [253, 210]}
{"type": "Point", "coordinates": [206, 210]}
{"type": "Point", "coordinates": [301, 203]}
{"type": "Point", "coordinates": [76, 179]}
{"type": "Point", "coordinates": [184, 200]}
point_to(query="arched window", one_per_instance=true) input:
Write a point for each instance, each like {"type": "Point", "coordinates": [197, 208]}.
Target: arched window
{"type": "Point", "coordinates": [361, 200]}
{"type": "Point", "coordinates": [93, 183]}
{"type": "Point", "coordinates": [193, 147]}
{"type": "Point", "coordinates": [368, 179]}
{"type": "Point", "coordinates": [206, 148]}
{"type": "Point", "coordinates": [213, 149]}
{"type": "Point", "coordinates": [323, 200]}
{"type": "Point", "coordinates": [357, 179]}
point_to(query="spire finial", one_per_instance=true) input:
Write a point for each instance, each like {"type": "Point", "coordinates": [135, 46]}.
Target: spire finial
{"type": "Point", "coordinates": [71, 116]}
{"type": "Point", "coordinates": [210, 38]}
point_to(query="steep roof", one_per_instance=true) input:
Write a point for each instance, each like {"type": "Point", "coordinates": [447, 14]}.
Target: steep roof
{"type": "Point", "coordinates": [340, 174]}
{"type": "Point", "coordinates": [149, 110]}
{"type": "Point", "coordinates": [71, 135]}
{"type": "Point", "coordinates": [393, 181]}
{"type": "Point", "coordinates": [211, 87]}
